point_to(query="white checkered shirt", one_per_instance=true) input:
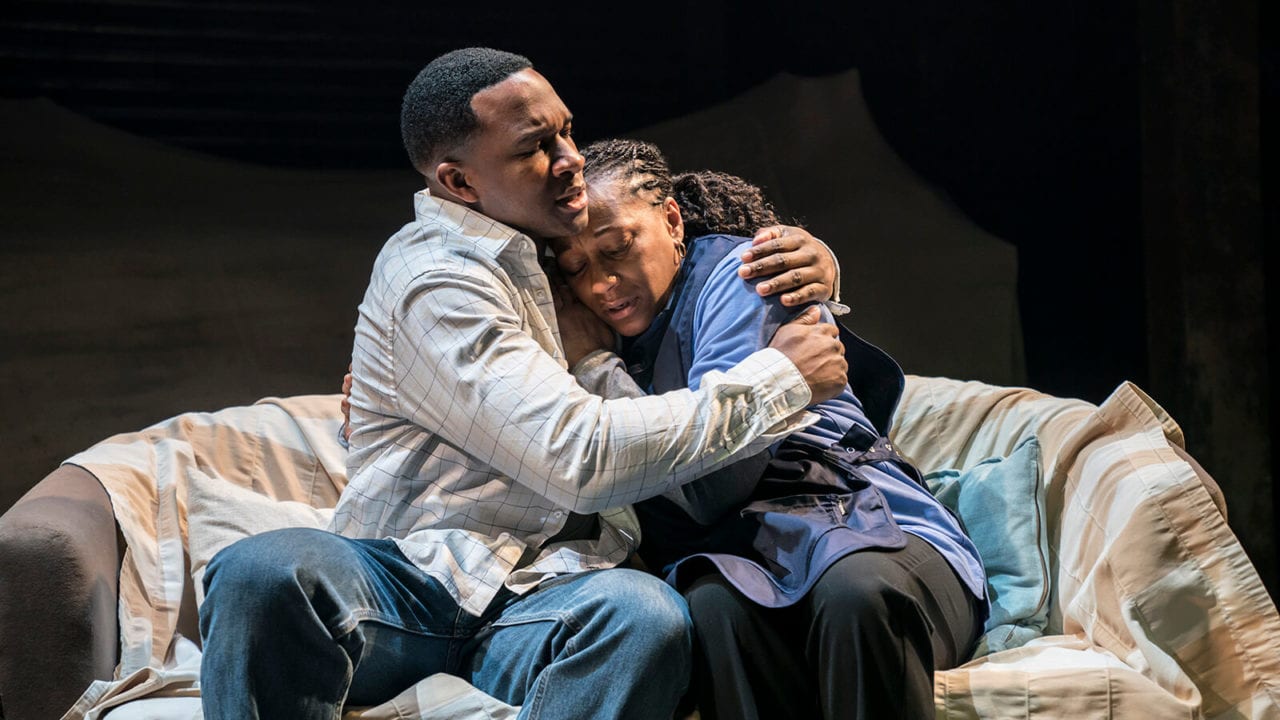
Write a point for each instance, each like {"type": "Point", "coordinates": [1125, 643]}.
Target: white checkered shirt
{"type": "Point", "coordinates": [472, 442]}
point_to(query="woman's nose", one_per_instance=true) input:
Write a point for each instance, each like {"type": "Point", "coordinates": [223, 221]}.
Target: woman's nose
{"type": "Point", "coordinates": [603, 282]}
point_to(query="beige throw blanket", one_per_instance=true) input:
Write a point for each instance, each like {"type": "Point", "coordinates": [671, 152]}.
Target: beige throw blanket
{"type": "Point", "coordinates": [1156, 611]}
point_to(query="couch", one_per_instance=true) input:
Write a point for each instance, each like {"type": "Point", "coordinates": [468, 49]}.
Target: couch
{"type": "Point", "coordinates": [1149, 608]}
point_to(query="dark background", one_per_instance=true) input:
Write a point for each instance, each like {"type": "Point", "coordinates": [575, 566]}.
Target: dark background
{"type": "Point", "coordinates": [1121, 147]}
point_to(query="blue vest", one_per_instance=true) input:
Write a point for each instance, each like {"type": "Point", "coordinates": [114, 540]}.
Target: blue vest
{"type": "Point", "coordinates": [811, 506]}
{"type": "Point", "coordinates": [661, 357]}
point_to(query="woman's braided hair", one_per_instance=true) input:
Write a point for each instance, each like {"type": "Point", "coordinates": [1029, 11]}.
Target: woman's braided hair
{"type": "Point", "coordinates": [640, 165]}
{"type": "Point", "coordinates": [710, 202]}
{"type": "Point", "coordinates": [719, 203]}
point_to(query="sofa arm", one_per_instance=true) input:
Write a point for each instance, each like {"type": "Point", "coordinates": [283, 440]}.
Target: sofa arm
{"type": "Point", "coordinates": [59, 577]}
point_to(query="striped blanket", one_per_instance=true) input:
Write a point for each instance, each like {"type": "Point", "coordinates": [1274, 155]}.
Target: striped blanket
{"type": "Point", "coordinates": [1155, 609]}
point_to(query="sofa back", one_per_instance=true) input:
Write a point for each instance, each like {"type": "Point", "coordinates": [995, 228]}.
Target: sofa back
{"type": "Point", "coordinates": [1144, 566]}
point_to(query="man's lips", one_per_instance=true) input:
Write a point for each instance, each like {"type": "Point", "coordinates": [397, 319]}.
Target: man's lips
{"type": "Point", "coordinates": [575, 199]}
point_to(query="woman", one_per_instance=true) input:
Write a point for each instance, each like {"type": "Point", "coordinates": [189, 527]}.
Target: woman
{"type": "Point", "coordinates": [823, 579]}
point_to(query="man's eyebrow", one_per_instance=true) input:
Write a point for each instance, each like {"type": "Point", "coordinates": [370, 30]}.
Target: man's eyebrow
{"type": "Point", "coordinates": [541, 130]}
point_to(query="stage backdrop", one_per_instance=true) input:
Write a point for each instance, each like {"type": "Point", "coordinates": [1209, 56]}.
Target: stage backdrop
{"type": "Point", "coordinates": [139, 281]}
{"type": "Point", "coordinates": [924, 282]}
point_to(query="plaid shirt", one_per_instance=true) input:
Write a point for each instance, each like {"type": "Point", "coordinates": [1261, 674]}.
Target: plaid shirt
{"type": "Point", "coordinates": [471, 442]}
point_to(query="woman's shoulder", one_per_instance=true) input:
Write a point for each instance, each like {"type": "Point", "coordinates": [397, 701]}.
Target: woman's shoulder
{"type": "Point", "coordinates": [714, 261]}
{"type": "Point", "coordinates": [718, 243]}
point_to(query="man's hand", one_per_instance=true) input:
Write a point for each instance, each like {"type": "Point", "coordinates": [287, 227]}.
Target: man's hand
{"type": "Point", "coordinates": [816, 351]}
{"type": "Point", "coordinates": [346, 404]}
{"type": "Point", "coordinates": [795, 262]}
{"type": "Point", "coordinates": [580, 330]}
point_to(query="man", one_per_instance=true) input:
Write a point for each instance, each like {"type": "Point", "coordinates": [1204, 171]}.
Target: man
{"type": "Point", "coordinates": [476, 536]}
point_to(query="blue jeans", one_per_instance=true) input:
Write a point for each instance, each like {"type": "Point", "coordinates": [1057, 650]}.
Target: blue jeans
{"type": "Point", "coordinates": [298, 622]}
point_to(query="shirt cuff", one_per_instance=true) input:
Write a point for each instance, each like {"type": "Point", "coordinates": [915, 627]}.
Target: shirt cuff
{"type": "Point", "coordinates": [834, 302]}
{"type": "Point", "coordinates": [592, 362]}
{"type": "Point", "coordinates": [786, 392]}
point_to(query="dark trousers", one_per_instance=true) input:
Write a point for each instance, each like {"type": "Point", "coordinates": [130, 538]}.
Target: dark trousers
{"type": "Point", "coordinates": [863, 643]}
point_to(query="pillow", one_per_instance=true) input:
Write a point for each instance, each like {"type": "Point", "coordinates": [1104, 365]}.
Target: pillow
{"type": "Point", "coordinates": [1001, 505]}
{"type": "Point", "coordinates": [220, 512]}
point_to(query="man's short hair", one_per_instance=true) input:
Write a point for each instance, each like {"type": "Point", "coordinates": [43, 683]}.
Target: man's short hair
{"type": "Point", "coordinates": [436, 115]}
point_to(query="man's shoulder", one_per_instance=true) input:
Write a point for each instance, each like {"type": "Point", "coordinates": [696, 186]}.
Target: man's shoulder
{"type": "Point", "coordinates": [421, 251]}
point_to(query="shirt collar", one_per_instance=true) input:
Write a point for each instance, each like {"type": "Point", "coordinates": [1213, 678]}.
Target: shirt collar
{"type": "Point", "coordinates": [490, 236]}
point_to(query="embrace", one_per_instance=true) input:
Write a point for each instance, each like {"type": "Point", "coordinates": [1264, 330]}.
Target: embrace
{"type": "Point", "coordinates": [644, 476]}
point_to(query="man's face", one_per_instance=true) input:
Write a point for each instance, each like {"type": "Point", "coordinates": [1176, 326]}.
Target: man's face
{"type": "Point", "coordinates": [522, 161]}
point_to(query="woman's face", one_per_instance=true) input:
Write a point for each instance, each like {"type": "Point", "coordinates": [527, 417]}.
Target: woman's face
{"type": "Point", "coordinates": [624, 264]}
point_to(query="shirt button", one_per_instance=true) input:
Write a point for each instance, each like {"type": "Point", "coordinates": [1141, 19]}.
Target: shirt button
{"type": "Point", "coordinates": [557, 515]}
{"type": "Point", "coordinates": [541, 295]}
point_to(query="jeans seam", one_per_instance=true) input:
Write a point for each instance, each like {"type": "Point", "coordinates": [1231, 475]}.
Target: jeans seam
{"type": "Point", "coordinates": [568, 619]}
{"type": "Point", "coordinates": [535, 707]}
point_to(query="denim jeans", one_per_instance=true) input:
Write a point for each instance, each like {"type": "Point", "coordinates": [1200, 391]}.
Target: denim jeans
{"type": "Point", "coordinates": [296, 623]}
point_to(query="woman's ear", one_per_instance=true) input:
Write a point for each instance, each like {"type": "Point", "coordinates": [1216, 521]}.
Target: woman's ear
{"type": "Point", "coordinates": [451, 176]}
{"type": "Point", "coordinates": [675, 223]}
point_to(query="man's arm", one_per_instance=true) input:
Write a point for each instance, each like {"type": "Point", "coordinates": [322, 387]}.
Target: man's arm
{"type": "Point", "coordinates": [468, 372]}
{"type": "Point", "coordinates": [705, 499]}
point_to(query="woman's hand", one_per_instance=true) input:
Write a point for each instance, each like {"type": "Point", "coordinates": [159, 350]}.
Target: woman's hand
{"type": "Point", "coordinates": [580, 330]}
{"type": "Point", "coordinates": [794, 261]}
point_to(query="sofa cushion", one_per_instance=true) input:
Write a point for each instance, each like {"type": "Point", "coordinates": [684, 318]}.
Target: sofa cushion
{"type": "Point", "coordinates": [1002, 508]}
{"type": "Point", "coordinates": [1057, 677]}
{"type": "Point", "coordinates": [220, 513]}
